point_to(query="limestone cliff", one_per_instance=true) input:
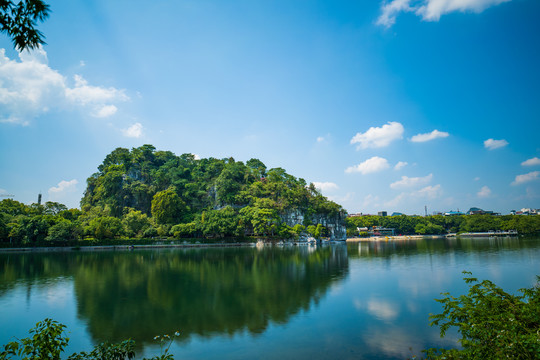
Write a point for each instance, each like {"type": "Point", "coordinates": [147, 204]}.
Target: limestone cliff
{"type": "Point", "coordinates": [335, 224]}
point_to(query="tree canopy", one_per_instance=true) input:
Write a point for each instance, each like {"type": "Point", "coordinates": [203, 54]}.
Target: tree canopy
{"type": "Point", "coordinates": [144, 192]}
{"type": "Point", "coordinates": [18, 19]}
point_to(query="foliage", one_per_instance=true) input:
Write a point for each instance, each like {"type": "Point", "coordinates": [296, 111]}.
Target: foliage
{"type": "Point", "coordinates": [120, 351]}
{"type": "Point", "coordinates": [104, 227]}
{"type": "Point", "coordinates": [46, 342]}
{"type": "Point", "coordinates": [135, 223]}
{"type": "Point", "coordinates": [180, 190]}
{"type": "Point", "coordinates": [167, 207]}
{"type": "Point", "coordinates": [438, 224]}
{"type": "Point", "coordinates": [428, 228]}
{"type": "Point", "coordinates": [64, 230]}
{"type": "Point", "coordinates": [165, 342]}
{"type": "Point", "coordinates": [18, 20]}
{"type": "Point", "coordinates": [183, 230]}
{"type": "Point", "coordinates": [493, 323]}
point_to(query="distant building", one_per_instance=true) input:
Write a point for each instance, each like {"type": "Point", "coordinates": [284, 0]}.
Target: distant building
{"type": "Point", "coordinates": [397, 214]}
{"type": "Point", "coordinates": [451, 213]}
{"type": "Point", "coordinates": [475, 211]}
{"type": "Point", "coordinates": [382, 231]}
{"type": "Point", "coordinates": [478, 211]}
{"type": "Point", "coordinates": [528, 211]}
{"type": "Point", "coordinates": [383, 213]}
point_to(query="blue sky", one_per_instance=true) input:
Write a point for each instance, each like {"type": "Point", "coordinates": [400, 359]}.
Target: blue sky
{"type": "Point", "coordinates": [384, 105]}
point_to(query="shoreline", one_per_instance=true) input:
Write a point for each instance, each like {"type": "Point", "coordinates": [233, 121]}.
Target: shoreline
{"type": "Point", "coordinates": [393, 238]}
{"type": "Point", "coordinates": [122, 247]}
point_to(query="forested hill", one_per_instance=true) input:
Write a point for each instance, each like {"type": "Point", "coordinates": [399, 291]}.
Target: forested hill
{"type": "Point", "coordinates": [181, 189]}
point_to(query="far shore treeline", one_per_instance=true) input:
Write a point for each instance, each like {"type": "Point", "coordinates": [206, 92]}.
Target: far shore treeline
{"type": "Point", "coordinates": [439, 224]}
{"type": "Point", "coordinates": [146, 194]}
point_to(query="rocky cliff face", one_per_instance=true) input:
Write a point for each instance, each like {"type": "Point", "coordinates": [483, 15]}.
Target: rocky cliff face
{"type": "Point", "coordinates": [335, 224]}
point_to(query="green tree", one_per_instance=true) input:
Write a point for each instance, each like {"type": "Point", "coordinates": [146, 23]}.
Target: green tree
{"type": "Point", "coordinates": [47, 342]}
{"type": "Point", "coordinates": [493, 324]}
{"type": "Point", "coordinates": [18, 19]}
{"type": "Point", "coordinates": [168, 208]}
{"type": "Point", "coordinates": [4, 229]}
{"type": "Point", "coordinates": [53, 208]}
{"type": "Point", "coordinates": [64, 230]}
{"type": "Point", "coordinates": [265, 221]}
{"type": "Point", "coordinates": [257, 167]}
{"type": "Point", "coordinates": [428, 229]}
{"type": "Point", "coordinates": [183, 230]}
{"type": "Point", "coordinates": [70, 214]}
{"type": "Point", "coordinates": [224, 222]}
{"type": "Point", "coordinates": [299, 229]}
{"type": "Point", "coordinates": [134, 223]}
{"type": "Point", "coordinates": [479, 223]}
{"type": "Point", "coordinates": [35, 228]}
{"type": "Point", "coordinates": [13, 207]}
{"type": "Point", "coordinates": [104, 227]}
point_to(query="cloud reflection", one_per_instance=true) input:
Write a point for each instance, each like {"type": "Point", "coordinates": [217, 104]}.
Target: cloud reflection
{"type": "Point", "coordinates": [380, 309]}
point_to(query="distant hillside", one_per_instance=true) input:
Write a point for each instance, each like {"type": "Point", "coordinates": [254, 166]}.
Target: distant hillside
{"type": "Point", "coordinates": [183, 190]}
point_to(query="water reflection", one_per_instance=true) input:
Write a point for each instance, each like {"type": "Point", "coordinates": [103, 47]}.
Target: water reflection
{"type": "Point", "coordinates": [363, 301]}
{"type": "Point", "coordinates": [205, 292]}
{"type": "Point", "coordinates": [373, 249]}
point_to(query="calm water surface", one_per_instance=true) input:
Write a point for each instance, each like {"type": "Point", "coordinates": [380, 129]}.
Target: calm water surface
{"type": "Point", "coordinates": [357, 301]}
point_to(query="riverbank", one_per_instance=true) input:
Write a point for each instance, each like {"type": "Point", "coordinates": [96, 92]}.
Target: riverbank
{"type": "Point", "coordinates": [124, 247]}
{"type": "Point", "coordinates": [394, 238]}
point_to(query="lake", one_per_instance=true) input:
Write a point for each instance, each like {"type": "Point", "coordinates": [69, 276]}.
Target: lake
{"type": "Point", "coordinates": [368, 300]}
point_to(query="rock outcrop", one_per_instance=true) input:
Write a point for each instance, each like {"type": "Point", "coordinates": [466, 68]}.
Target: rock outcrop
{"type": "Point", "coordinates": [334, 224]}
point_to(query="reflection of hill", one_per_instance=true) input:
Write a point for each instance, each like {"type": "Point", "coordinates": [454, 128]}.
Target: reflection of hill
{"type": "Point", "coordinates": [382, 249]}
{"type": "Point", "coordinates": [32, 268]}
{"type": "Point", "coordinates": [204, 292]}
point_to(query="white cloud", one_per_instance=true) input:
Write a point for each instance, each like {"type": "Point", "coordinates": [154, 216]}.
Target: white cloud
{"type": "Point", "coordinates": [342, 199]}
{"type": "Point", "coordinates": [435, 134]}
{"type": "Point", "coordinates": [383, 310]}
{"type": "Point", "coordinates": [84, 94]}
{"type": "Point", "coordinates": [371, 165]}
{"type": "Point", "coordinates": [430, 10]}
{"type": "Point", "coordinates": [30, 88]}
{"type": "Point", "coordinates": [370, 200]}
{"type": "Point", "coordinates": [476, 178]}
{"type": "Point", "coordinates": [396, 201]}
{"type": "Point", "coordinates": [409, 182]}
{"type": "Point", "coordinates": [106, 111]}
{"type": "Point", "coordinates": [320, 139]}
{"type": "Point", "coordinates": [484, 192]}
{"type": "Point", "coordinates": [400, 165]}
{"type": "Point", "coordinates": [391, 9]}
{"type": "Point", "coordinates": [64, 186]}
{"type": "Point", "coordinates": [433, 9]}
{"type": "Point", "coordinates": [429, 192]}
{"type": "Point", "coordinates": [196, 157]}
{"type": "Point", "coordinates": [325, 186]}
{"type": "Point", "coordinates": [377, 137]}
{"type": "Point", "coordinates": [531, 162]}
{"type": "Point", "coordinates": [492, 144]}
{"type": "Point", "coordinates": [134, 131]}
{"type": "Point", "coordinates": [520, 179]}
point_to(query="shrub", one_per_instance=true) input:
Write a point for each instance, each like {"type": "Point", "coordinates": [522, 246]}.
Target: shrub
{"type": "Point", "coordinates": [493, 324]}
